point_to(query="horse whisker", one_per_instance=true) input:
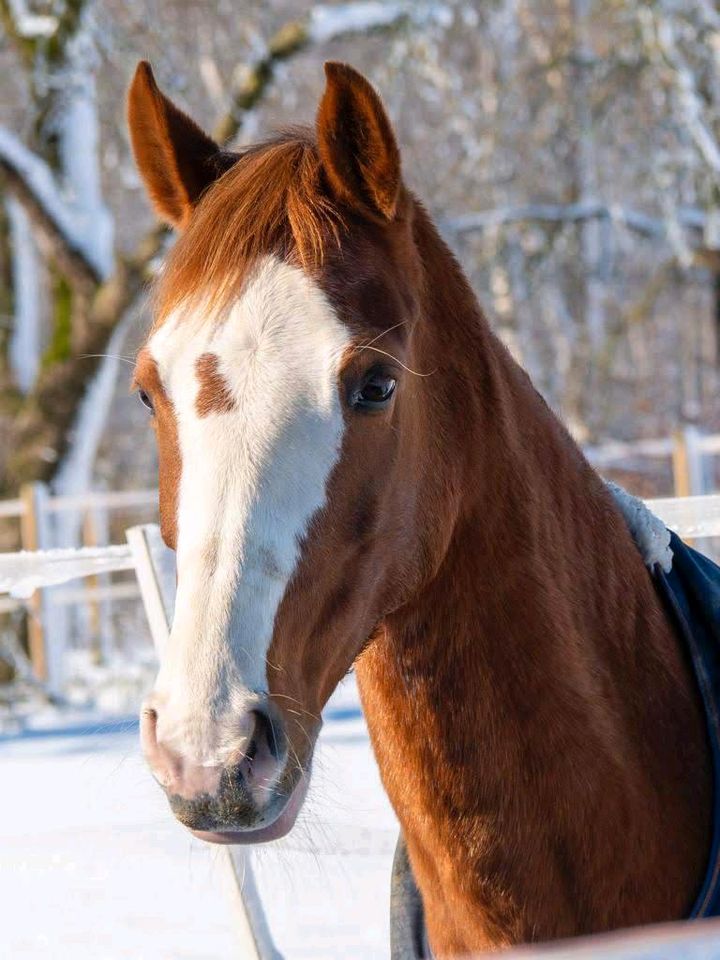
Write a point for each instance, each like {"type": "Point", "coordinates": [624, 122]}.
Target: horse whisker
{"type": "Point", "coordinates": [106, 356]}
{"type": "Point", "coordinates": [404, 366]}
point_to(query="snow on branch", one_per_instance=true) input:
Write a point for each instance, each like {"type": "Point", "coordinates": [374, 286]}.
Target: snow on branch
{"type": "Point", "coordinates": [31, 25]}
{"type": "Point", "coordinates": [34, 184]}
{"type": "Point", "coordinates": [328, 23]}
{"type": "Point", "coordinates": [571, 212]}
{"type": "Point", "coordinates": [690, 99]}
{"type": "Point", "coordinates": [322, 24]}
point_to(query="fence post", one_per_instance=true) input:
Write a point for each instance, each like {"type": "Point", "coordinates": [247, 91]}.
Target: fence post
{"type": "Point", "coordinates": [245, 897]}
{"type": "Point", "coordinates": [156, 581]}
{"type": "Point", "coordinates": [33, 526]}
{"type": "Point", "coordinates": [696, 461]}
{"type": "Point", "coordinates": [681, 466]}
{"type": "Point", "coordinates": [153, 581]}
{"type": "Point", "coordinates": [688, 463]}
{"type": "Point", "coordinates": [95, 534]}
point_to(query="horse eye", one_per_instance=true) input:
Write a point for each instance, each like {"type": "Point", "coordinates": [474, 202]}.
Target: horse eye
{"type": "Point", "coordinates": [376, 391]}
{"type": "Point", "coordinates": [146, 401]}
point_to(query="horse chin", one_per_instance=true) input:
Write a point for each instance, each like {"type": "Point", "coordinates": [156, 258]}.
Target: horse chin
{"type": "Point", "coordinates": [281, 825]}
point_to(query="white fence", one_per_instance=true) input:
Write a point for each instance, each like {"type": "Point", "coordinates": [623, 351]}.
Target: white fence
{"type": "Point", "coordinates": [697, 940]}
{"type": "Point", "coordinates": [43, 525]}
{"type": "Point", "coordinates": [35, 590]}
{"type": "Point", "coordinates": [688, 452]}
{"type": "Point", "coordinates": [39, 514]}
{"type": "Point", "coordinates": [155, 568]}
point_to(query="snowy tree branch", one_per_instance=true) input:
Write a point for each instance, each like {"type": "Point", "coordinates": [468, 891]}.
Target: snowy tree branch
{"type": "Point", "coordinates": [35, 33]}
{"type": "Point", "coordinates": [690, 100]}
{"type": "Point", "coordinates": [570, 213]}
{"type": "Point", "coordinates": [32, 181]}
{"type": "Point", "coordinates": [39, 433]}
{"type": "Point", "coordinates": [324, 23]}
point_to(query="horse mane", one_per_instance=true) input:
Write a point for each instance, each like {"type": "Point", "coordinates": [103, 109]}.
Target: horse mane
{"type": "Point", "coordinates": [272, 199]}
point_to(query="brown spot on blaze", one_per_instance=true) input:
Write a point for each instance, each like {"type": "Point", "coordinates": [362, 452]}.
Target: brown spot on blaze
{"type": "Point", "coordinates": [147, 377]}
{"type": "Point", "coordinates": [214, 395]}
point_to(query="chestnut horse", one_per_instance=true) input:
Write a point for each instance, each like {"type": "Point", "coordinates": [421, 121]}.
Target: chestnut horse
{"type": "Point", "coordinates": [355, 472]}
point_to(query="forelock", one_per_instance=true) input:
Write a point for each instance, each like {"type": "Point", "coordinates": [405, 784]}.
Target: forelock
{"type": "Point", "coordinates": [272, 200]}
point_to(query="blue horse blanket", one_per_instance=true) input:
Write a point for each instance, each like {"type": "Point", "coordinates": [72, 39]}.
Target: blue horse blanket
{"type": "Point", "coordinates": [689, 585]}
{"type": "Point", "coordinates": [691, 591]}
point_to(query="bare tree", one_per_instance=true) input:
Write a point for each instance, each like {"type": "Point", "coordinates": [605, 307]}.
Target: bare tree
{"type": "Point", "coordinates": [60, 201]}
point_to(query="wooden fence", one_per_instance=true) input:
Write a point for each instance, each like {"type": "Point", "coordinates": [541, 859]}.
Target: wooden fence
{"type": "Point", "coordinates": [692, 518]}
{"type": "Point", "coordinates": [688, 450]}
{"type": "Point", "coordinates": [36, 511]}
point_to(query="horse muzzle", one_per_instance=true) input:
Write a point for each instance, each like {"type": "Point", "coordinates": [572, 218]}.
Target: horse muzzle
{"type": "Point", "coordinates": [251, 797]}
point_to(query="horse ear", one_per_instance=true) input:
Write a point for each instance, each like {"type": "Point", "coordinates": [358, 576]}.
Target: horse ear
{"type": "Point", "coordinates": [176, 160]}
{"type": "Point", "coordinates": [357, 145]}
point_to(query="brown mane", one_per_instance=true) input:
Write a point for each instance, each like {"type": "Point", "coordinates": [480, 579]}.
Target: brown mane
{"type": "Point", "coordinates": [271, 199]}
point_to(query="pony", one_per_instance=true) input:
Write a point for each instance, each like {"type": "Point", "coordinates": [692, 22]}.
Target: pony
{"type": "Point", "coordinates": [355, 473]}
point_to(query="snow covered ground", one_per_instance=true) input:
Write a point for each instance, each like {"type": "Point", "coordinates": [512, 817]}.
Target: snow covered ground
{"type": "Point", "coordinates": [92, 864]}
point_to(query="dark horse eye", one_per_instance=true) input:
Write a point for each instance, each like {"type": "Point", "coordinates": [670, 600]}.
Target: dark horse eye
{"type": "Point", "coordinates": [375, 391]}
{"type": "Point", "coordinates": [146, 401]}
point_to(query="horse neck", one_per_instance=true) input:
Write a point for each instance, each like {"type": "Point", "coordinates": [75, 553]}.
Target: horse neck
{"type": "Point", "coordinates": [519, 704]}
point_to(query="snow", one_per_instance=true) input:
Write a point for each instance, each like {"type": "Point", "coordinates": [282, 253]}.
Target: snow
{"type": "Point", "coordinates": [24, 572]}
{"type": "Point", "coordinates": [80, 147]}
{"type": "Point", "coordinates": [80, 150]}
{"type": "Point", "coordinates": [38, 176]}
{"type": "Point", "coordinates": [327, 23]}
{"type": "Point", "coordinates": [24, 351]}
{"type": "Point", "coordinates": [75, 473]}
{"type": "Point", "coordinates": [94, 865]}
{"type": "Point", "coordinates": [688, 95]}
{"type": "Point", "coordinates": [651, 536]}
{"type": "Point", "coordinates": [29, 24]}
{"type": "Point", "coordinates": [331, 22]}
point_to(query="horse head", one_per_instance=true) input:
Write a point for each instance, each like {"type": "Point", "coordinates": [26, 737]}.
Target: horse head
{"type": "Point", "coordinates": [280, 378]}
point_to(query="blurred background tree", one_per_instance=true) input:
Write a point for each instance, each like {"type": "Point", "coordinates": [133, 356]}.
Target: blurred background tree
{"type": "Point", "coordinates": [568, 148]}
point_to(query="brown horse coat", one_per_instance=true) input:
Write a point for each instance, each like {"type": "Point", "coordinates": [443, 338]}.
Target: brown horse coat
{"type": "Point", "coordinates": [535, 721]}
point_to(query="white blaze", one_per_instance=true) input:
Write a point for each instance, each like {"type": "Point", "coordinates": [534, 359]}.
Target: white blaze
{"type": "Point", "coordinates": [252, 478]}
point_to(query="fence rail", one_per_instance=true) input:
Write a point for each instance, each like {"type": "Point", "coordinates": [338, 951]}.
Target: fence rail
{"type": "Point", "coordinates": [692, 518]}
{"type": "Point", "coordinates": [82, 503]}
{"type": "Point", "coordinates": [683, 940]}
{"type": "Point", "coordinates": [38, 512]}
{"type": "Point", "coordinates": [47, 521]}
{"type": "Point", "coordinates": [155, 566]}
{"type": "Point", "coordinates": [687, 450]}
{"type": "Point", "coordinates": [23, 575]}
{"type": "Point", "coordinates": [105, 500]}
{"type": "Point", "coordinates": [605, 454]}
{"type": "Point", "coordinates": [23, 572]}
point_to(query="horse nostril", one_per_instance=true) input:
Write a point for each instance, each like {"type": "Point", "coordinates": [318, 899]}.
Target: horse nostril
{"type": "Point", "coordinates": [261, 761]}
{"type": "Point", "coordinates": [265, 730]}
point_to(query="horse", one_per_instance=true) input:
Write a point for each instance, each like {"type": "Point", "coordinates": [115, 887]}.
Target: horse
{"type": "Point", "coordinates": [355, 473]}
